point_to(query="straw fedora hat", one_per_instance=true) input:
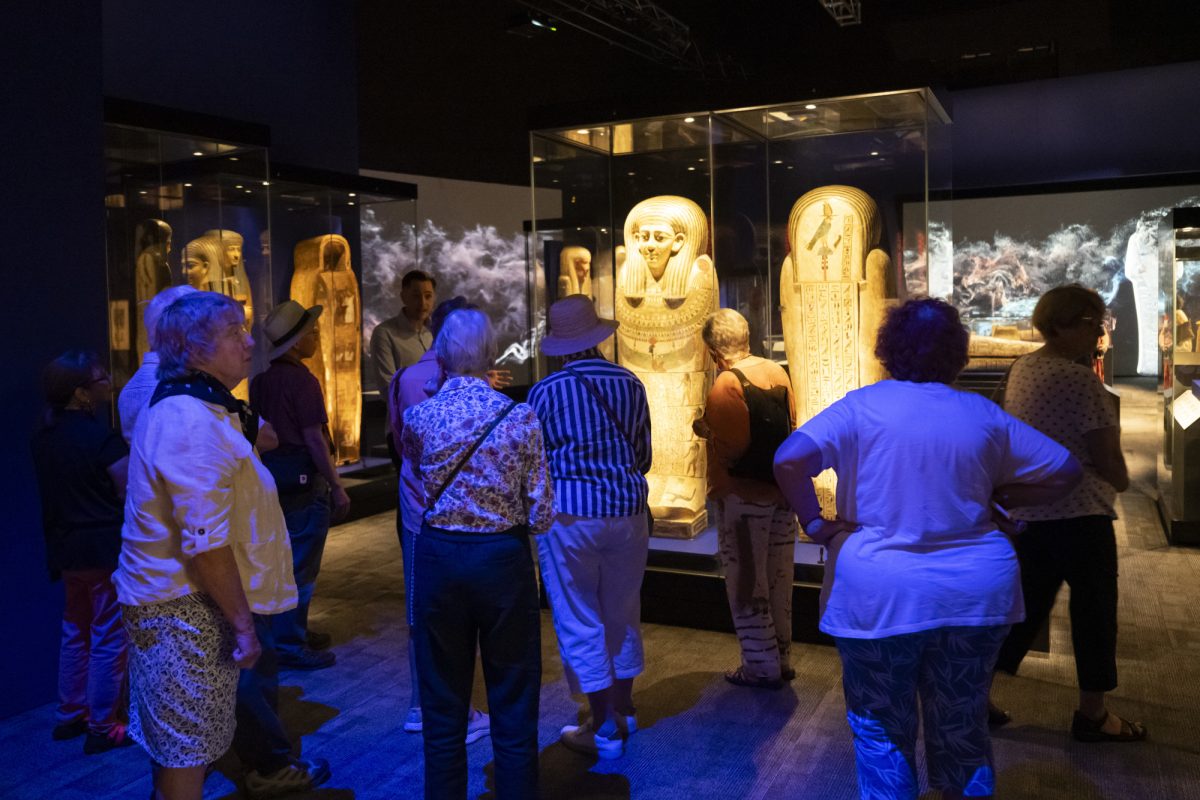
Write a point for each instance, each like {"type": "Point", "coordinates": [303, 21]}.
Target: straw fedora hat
{"type": "Point", "coordinates": [574, 326]}
{"type": "Point", "coordinates": [286, 324]}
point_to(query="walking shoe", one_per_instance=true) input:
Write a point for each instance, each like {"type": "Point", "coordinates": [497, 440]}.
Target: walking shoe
{"type": "Point", "coordinates": [103, 742]}
{"type": "Point", "coordinates": [479, 725]}
{"type": "Point", "coordinates": [307, 659]}
{"type": "Point", "coordinates": [318, 641]}
{"type": "Point", "coordinates": [300, 775]}
{"type": "Point", "coordinates": [582, 739]}
{"type": "Point", "coordinates": [69, 730]}
{"type": "Point", "coordinates": [627, 723]}
{"type": "Point", "coordinates": [738, 677]}
{"type": "Point", "coordinates": [413, 723]}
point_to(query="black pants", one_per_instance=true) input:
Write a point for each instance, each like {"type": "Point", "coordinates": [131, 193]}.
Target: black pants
{"type": "Point", "coordinates": [477, 589]}
{"type": "Point", "coordinates": [1083, 552]}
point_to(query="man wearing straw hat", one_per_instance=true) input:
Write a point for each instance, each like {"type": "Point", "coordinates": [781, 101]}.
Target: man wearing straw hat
{"type": "Point", "coordinates": [596, 426]}
{"type": "Point", "coordinates": [289, 397]}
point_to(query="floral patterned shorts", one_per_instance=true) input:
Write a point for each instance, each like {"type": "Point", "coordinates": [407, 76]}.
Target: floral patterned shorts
{"type": "Point", "coordinates": [182, 679]}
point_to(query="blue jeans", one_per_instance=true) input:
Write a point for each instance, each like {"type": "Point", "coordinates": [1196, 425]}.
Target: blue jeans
{"type": "Point", "coordinates": [260, 741]}
{"type": "Point", "coordinates": [950, 669]}
{"type": "Point", "coordinates": [308, 528]}
{"type": "Point", "coordinates": [477, 589]}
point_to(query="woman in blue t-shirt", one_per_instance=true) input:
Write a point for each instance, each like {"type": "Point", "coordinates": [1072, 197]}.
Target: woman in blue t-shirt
{"type": "Point", "coordinates": [921, 588]}
{"type": "Point", "coordinates": [81, 465]}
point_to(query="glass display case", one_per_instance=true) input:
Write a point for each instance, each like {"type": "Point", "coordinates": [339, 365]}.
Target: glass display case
{"type": "Point", "coordinates": [210, 211]}
{"type": "Point", "coordinates": [1179, 310]}
{"type": "Point", "coordinates": [821, 203]}
{"type": "Point", "coordinates": [344, 242]}
{"type": "Point", "coordinates": [182, 209]}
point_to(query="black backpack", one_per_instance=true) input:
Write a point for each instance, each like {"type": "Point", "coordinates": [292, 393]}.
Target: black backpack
{"type": "Point", "coordinates": [770, 424]}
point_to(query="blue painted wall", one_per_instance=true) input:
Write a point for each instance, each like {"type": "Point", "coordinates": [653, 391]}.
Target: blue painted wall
{"type": "Point", "coordinates": [1107, 125]}
{"type": "Point", "coordinates": [290, 65]}
{"type": "Point", "coordinates": [54, 284]}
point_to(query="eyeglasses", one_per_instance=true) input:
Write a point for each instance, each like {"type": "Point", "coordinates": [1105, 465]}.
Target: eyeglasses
{"type": "Point", "coordinates": [1106, 320]}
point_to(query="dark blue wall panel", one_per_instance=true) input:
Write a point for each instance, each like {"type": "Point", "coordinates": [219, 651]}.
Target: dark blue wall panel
{"type": "Point", "coordinates": [55, 294]}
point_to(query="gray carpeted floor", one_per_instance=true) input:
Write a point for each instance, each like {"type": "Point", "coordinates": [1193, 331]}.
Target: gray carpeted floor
{"type": "Point", "coordinates": [701, 737]}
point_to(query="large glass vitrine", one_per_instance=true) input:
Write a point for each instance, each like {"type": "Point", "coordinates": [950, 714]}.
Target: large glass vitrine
{"type": "Point", "coordinates": [1179, 310]}
{"type": "Point", "coordinates": [344, 242]}
{"type": "Point", "coordinates": [792, 196]}
{"type": "Point", "coordinates": [181, 209]}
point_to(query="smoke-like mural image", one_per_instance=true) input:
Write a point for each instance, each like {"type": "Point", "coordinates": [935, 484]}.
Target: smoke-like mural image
{"type": "Point", "coordinates": [1002, 276]}
{"type": "Point", "coordinates": [481, 264]}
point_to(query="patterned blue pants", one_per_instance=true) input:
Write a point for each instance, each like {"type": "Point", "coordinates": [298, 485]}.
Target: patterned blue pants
{"type": "Point", "coordinates": [951, 670]}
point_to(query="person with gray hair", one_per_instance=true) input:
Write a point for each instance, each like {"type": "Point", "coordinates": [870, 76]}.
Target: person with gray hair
{"type": "Point", "coordinates": [480, 460]}
{"type": "Point", "coordinates": [756, 530]}
{"type": "Point", "coordinates": [204, 545]}
{"type": "Point", "coordinates": [136, 393]}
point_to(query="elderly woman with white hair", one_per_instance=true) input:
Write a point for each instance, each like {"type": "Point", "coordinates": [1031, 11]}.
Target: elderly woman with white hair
{"type": "Point", "coordinates": [755, 527]}
{"type": "Point", "coordinates": [204, 545]}
{"type": "Point", "coordinates": [137, 392]}
{"type": "Point", "coordinates": [480, 458]}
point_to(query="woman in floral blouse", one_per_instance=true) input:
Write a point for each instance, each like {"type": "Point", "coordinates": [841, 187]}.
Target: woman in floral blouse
{"type": "Point", "coordinates": [472, 572]}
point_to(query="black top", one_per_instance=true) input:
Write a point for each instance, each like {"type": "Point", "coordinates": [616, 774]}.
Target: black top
{"type": "Point", "coordinates": [81, 512]}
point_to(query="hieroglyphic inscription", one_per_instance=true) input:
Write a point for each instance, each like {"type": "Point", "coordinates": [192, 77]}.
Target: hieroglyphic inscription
{"type": "Point", "coordinates": [830, 343]}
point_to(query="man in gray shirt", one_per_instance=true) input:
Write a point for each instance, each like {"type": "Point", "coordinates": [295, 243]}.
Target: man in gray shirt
{"type": "Point", "coordinates": [402, 340]}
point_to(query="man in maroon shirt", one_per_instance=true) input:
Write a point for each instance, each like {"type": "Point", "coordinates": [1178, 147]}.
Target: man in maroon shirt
{"type": "Point", "coordinates": [289, 397]}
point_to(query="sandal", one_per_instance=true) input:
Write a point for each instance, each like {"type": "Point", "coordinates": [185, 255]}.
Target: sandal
{"type": "Point", "coordinates": [1085, 729]}
{"type": "Point", "coordinates": [997, 716]}
{"type": "Point", "coordinates": [738, 677]}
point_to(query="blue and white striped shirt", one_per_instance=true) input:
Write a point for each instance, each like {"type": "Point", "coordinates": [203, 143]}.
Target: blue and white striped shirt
{"type": "Point", "coordinates": [594, 470]}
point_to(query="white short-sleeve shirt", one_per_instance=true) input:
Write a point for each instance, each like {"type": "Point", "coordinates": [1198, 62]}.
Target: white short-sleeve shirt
{"type": "Point", "coordinates": [196, 484]}
{"type": "Point", "coordinates": [1065, 401]}
{"type": "Point", "coordinates": [917, 464]}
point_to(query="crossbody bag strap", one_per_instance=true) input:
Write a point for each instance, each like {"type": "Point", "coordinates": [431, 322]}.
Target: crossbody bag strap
{"type": "Point", "coordinates": [608, 409]}
{"type": "Point", "coordinates": [462, 462]}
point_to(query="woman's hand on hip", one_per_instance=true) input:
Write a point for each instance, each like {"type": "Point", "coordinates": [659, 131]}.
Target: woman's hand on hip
{"type": "Point", "coordinates": [823, 531]}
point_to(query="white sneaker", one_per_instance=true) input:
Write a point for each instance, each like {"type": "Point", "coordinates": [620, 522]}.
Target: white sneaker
{"type": "Point", "coordinates": [300, 775]}
{"type": "Point", "coordinates": [582, 739]}
{"type": "Point", "coordinates": [413, 722]}
{"type": "Point", "coordinates": [627, 723]}
{"type": "Point", "coordinates": [479, 725]}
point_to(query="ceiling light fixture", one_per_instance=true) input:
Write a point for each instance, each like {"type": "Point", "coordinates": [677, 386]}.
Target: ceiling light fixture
{"type": "Point", "coordinates": [689, 120]}
{"type": "Point", "coordinates": [198, 152]}
{"type": "Point", "coordinates": [810, 107]}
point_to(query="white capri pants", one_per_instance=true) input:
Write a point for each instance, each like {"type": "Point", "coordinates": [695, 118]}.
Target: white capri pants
{"type": "Point", "coordinates": [592, 569]}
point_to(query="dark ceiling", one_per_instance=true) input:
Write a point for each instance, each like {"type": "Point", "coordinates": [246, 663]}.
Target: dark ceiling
{"type": "Point", "coordinates": [445, 89]}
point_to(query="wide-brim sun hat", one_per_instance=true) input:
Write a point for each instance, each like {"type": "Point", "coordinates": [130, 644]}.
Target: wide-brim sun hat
{"type": "Point", "coordinates": [287, 323]}
{"type": "Point", "coordinates": [574, 326]}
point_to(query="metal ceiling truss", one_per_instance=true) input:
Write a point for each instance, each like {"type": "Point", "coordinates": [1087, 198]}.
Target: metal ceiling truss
{"type": "Point", "coordinates": [639, 26]}
{"type": "Point", "coordinates": [844, 12]}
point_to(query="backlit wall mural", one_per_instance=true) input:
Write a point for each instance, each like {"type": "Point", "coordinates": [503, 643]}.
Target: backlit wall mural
{"type": "Point", "coordinates": [1006, 251]}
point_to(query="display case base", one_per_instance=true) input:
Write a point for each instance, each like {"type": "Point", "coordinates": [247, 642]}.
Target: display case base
{"type": "Point", "coordinates": [1180, 532]}
{"type": "Point", "coordinates": [372, 489]}
{"type": "Point", "coordinates": [680, 529]}
{"type": "Point", "coordinates": [693, 600]}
